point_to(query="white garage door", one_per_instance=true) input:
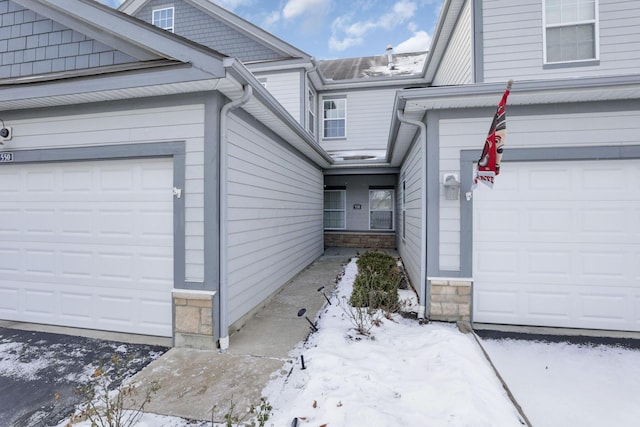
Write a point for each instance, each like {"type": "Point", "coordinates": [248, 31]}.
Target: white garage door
{"type": "Point", "coordinates": [558, 244]}
{"type": "Point", "coordinates": [88, 244]}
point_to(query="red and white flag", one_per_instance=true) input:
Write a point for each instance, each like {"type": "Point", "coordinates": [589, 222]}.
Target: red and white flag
{"type": "Point", "coordinates": [489, 163]}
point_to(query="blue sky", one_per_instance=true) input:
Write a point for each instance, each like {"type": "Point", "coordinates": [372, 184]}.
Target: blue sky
{"type": "Point", "coordinates": [329, 29]}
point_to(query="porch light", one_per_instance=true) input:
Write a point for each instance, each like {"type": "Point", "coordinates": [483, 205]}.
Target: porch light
{"type": "Point", "coordinates": [451, 187]}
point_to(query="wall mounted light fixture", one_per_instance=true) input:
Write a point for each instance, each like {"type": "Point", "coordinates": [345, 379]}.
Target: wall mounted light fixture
{"type": "Point", "coordinates": [5, 133]}
{"type": "Point", "coordinates": [451, 187]}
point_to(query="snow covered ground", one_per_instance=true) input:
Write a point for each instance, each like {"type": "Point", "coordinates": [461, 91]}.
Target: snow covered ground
{"type": "Point", "coordinates": [412, 374]}
{"type": "Point", "coordinates": [405, 374]}
{"type": "Point", "coordinates": [561, 384]}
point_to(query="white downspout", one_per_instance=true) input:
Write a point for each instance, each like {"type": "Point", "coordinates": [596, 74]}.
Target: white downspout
{"type": "Point", "coordinates": [423, 214]}
{"type": "Point", "coordinates": [224, 193]}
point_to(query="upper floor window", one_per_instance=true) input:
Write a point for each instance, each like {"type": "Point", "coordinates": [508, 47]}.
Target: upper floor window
{"type": "Point", "coordinates": [571, 30]}
{"type": "Point", "coordinates": [334, 118]}
{"type": "Point", "coordinates": [311, 111]}
{"type": "Point", "coordinates": [163, 18]}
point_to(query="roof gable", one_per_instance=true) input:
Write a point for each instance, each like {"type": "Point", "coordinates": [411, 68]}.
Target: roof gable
{"type": "Point", "coordinates": [211, 25]}
{"type": "Point", "coordinates": [45, 38]}
{"type": "Point", "coordinates": [33, 44]}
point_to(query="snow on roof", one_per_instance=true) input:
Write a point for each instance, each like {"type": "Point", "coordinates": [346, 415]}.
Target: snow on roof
{"type": "Point", "coordinates": [403, 64]}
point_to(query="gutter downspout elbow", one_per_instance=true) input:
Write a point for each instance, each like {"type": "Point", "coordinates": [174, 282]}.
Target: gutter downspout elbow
{"type": "Point", "coordinates": [224, 194]}
{"type": "Point", "coordinates": [423, 214]}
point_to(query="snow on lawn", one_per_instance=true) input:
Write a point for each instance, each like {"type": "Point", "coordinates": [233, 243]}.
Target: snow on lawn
{"type": "Point", "coordinates": [406, 374]}
{"type": "Point", "coordinates": [562, 384]}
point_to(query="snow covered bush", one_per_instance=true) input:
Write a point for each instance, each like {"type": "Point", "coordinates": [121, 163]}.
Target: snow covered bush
{"type": "Point", "coordinates": [376, 284]}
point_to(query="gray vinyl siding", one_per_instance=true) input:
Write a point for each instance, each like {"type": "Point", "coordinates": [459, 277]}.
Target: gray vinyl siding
{"type": "Point", "coordinates": [409, 247]}
{"type": "Point", "coordinates": [513, 41]}
{"type": "Point", "coordinates": [357, 193]}
{"type": "Point", "coordinates": [286, 88]}
{"type": "Point", "coordinates": [31, 44]}
{"type": "Point", "coordinates": [457, 63]}
{"type": "Point", "coordinates": [133, 126]}
{"type": "Point", "coordinates": [368, 120]}
{"type": "Point", "coordinates": [539, 130]}
{"type": "Point", "coordinates": [197, 25]}
{"type": "Point", "coordinates": [275, 214]}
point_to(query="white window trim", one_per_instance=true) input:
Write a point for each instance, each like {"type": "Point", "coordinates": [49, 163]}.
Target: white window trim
{"type": "Point", "coordinates": [173, 19]}
{"type": "Point", "coordinates": [312, 109]}
{"type": "Point", "coordinates": [343, 210]}
{"type": "Point", "coordinates": [335, 98]}
{"type": "Point", "coordinates": [393, 210]}
{"type": "Point", "coordinates": [596, 32]}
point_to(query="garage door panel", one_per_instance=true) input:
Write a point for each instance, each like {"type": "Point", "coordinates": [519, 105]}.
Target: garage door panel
{"type": "Point", "coordinates": [501, 302]}
{"type": "Point", "coordinates": [507, 265]}
{"type": "Point", "coordinates": [576, 259]}
{"type": "Point", "coordinates": [88, 244]}
{"type": "Point", "coordinates": [550, 305]}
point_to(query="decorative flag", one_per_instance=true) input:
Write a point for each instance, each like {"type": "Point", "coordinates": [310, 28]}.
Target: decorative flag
{"type": "Point", "coordinates": [489, 163]}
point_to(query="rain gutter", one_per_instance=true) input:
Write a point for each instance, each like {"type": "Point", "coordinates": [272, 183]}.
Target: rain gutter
{"type": "Point", "coordinates": [224, 195]}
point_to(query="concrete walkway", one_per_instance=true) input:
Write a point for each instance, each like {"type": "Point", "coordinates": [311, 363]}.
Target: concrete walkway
{"type": "Point", "coordinates": [192, 382]}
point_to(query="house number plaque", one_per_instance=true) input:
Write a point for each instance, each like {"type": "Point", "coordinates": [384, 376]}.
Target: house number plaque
{"type": "Point", "coordinates": [6, 157]}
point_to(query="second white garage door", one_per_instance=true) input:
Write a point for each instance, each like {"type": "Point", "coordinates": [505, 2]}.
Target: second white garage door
{"type": "Point", "coordinates": [88, 244]}
{"type": "Point", "coordinates": [558, 244]}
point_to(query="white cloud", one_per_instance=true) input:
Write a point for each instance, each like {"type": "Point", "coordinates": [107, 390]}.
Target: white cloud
{"type": "Point", "coordinates": [295, 8]}
{"type": "Point", "coordinates": [346, 34]}
{"type": "Point", "coordinates": [233, 4]}
{"type": "Point", "coordinates": [271, 19]}
{"type": "Point", "coordinates": [420, 42]}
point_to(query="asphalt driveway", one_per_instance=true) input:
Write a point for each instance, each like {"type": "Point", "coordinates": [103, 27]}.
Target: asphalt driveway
{"type": "Point", "coordinates": [40, 373]}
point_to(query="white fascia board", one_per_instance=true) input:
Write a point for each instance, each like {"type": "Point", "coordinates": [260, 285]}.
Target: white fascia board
{"type": "Point", "coordinates": [303, 141]}
{"type": "Point", "coordinates": [105, 87]}
{"type": "Point", "coordinates": [530, 92]}
{"type": "Point", "coordinates": [131, 6]}
{"type": "Point", "coordinates": [449, 15]}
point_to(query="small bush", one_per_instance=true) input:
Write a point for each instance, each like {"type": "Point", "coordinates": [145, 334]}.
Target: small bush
{"type": "Point", "coordinates": [255, 416]}
{"type": "Point", "coordinates": [105, 397]}
{"type": "Point", "coordinates": [376, 284]}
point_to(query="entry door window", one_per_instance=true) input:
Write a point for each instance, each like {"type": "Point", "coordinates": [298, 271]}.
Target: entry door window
{"type": "Point", "coordinates": [381, 209]}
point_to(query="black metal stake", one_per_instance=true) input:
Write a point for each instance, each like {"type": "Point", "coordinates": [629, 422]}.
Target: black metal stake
{"type": "Point", "coordinates": [301, 313]}
{"type": "Point", "coordinates": [320, 289]}
{"type": "Point", "coordinates": [302, 361]}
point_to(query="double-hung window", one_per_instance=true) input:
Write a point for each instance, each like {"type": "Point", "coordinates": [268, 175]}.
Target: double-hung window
{"type": "Point", "coordinates": [381, 209]}
{"type": "Point", "coordinates": [334, 117]}
{"type": "Point", "coordinates": [335, 209]}
{"type": "Point", "coordinates": [163, 18]}
{"type": "Point", "coordinates": [311, 111]}
{"type": "Point", "coordinates": [571, 30]}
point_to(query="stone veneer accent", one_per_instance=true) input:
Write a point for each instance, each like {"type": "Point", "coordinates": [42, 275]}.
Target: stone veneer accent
{"type": "Point", "coordinates": [193, 319]}
{"type": "Point", "coordinates": [450, 300]}
{"type": "Point", "coordinates": [359, 240]}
